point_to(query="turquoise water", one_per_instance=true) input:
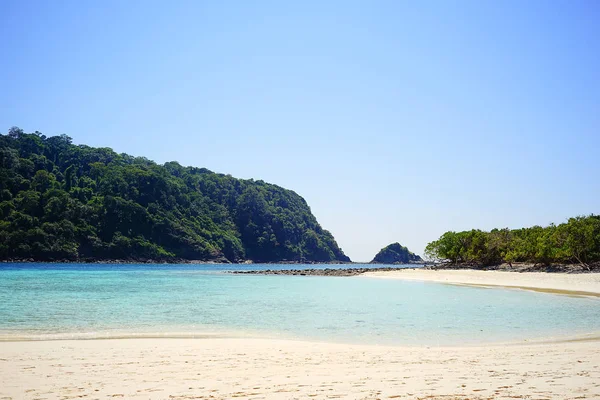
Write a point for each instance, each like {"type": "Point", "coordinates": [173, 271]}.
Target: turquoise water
{"type": "Point", "coordinates": [88, 301]}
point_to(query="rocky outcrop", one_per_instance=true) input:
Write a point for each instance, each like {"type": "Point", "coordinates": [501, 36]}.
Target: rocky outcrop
{"type": "Point", "coordinates": [396, 254]}
{"type": "Point", "coordinates": [317, 271]}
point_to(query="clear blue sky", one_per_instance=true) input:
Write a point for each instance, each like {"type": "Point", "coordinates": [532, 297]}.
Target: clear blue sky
{"type": "Point", "coordinates": [395, 120]}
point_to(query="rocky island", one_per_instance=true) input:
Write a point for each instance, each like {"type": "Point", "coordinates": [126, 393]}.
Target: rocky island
{"type": "Point", "coordinates": [396, 254]}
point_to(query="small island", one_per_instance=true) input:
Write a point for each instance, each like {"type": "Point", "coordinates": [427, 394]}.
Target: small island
{"type": "Point", "coordinates": [396, 254]}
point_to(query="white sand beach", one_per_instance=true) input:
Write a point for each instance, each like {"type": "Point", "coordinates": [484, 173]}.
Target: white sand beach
{"type": "Point", "coordinates": [553, 282]}
{"type": "Point", "coordinates": [226, 368]}
{"type": "Point", "coordinates": [273, 369]}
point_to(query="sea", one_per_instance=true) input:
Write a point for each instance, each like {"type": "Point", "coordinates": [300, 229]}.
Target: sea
{"type": "Point", "coordinates": [98, 301]}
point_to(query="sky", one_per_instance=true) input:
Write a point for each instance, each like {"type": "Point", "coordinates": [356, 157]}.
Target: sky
{"type": "Point", "coordinates": [396, 120]}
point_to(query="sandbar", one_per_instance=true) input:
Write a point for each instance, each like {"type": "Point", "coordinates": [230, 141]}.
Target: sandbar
{"type": "Point", "coordinates": [585, 284]}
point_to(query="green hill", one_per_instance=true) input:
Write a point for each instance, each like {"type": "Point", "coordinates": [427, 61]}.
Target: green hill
{"type": "Point", "coordinates": [395, 254]}
{"type": "Point", "coordinates": [60, 201]}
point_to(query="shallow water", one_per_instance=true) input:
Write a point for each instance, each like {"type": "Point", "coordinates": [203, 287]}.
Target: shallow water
{"type": "Point", "coordinates": [88, 301]}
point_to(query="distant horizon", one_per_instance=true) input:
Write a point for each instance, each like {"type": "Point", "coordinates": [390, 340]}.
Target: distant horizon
{"type": "Point", "coordinates": [395, 121]}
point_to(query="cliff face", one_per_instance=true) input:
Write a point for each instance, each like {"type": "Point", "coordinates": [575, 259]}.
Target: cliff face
{"type": "Point", "coordinates": [395, 254]}
{"type": "Point", "coordinates": [59, 201]}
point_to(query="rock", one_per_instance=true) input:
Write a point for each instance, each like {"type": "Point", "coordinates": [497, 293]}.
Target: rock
{"type": "Point", "coordinates": [317, 272]}
{"type": "Point", "coordinates": [395, 254]}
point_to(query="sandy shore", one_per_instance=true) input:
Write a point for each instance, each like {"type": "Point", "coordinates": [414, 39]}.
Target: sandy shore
{"type": "Point", "coordinates": [160, 369]}
{"type": "Point", "coordinates": [585, 284]}
{"type": "Point", "coordinates": [271, 369]}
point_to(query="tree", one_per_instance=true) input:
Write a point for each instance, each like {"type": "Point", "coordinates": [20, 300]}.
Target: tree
{"type": "Point", "coordinates": [59, 200]}
{"type": "Point", "coordinates": [577, 241]}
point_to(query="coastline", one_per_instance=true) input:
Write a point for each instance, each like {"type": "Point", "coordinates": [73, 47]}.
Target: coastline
{"type": "Point", "coordinates": [159, 366]}
{"type": "Point", "coordinates": [282, 369]}
{"type": "Point", "coordinates": [587, 284]}
{"type": "Point", "coordinates": [515, 267]}
{"type": "Point", "coordinates": [176, 261]}
{"type": "Point", "coordinates": [25, 337]}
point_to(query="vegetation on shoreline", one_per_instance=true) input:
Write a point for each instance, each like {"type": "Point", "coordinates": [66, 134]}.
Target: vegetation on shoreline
{"type": "Point", "coordinates": [575, 242]}
{"type": "Point", "coordinates": [60, 201]}
{"type": "Point", "coordinates": [395, 254]}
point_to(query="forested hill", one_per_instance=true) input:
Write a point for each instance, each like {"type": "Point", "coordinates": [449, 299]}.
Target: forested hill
{"type": "Point", "coordinates": [60, 201]}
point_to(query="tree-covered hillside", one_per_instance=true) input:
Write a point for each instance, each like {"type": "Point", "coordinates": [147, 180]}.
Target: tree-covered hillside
{"type": "Point", "coordinates": [60, 201]}
{"type": "Point", "coordinates": [395, 254]}
{"type": "Point", "coordinates": [574, 242]}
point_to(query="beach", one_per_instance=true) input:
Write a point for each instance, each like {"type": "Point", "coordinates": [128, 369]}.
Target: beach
{"type": "Point", "coordinates": [582, 284]}
{"type": "Point", "coordinates": [274, 369]}
{"type": "Point", "coordinates": [566, 366]}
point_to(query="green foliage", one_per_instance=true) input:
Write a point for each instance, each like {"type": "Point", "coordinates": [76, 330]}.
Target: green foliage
{"type": "Point", "coordinates": [63, 201]}
{"type": "Point", "coordinates": [395, 254]}
{"type": "Point", "coordinates": [576, 241]}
